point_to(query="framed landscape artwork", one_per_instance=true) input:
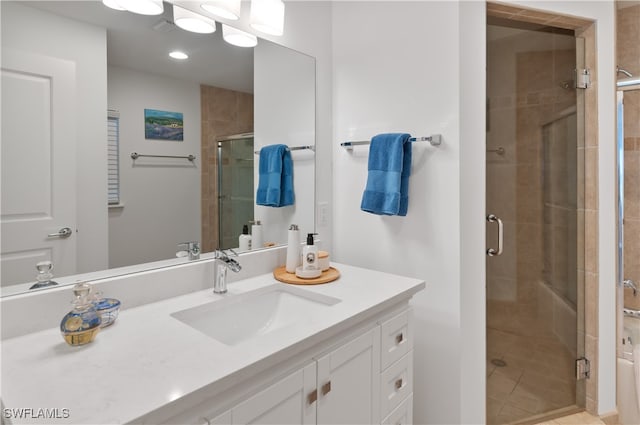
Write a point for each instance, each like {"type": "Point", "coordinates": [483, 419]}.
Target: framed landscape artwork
{"type": "Point", "coordinates": [163, 125]}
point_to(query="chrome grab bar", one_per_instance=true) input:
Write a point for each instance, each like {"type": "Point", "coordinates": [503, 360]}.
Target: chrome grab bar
{"type": "Point", "coordinates": [490, 251]}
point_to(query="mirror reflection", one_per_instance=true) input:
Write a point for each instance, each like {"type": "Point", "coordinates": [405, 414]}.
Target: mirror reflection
{"type": "Point", "coordinates": [220, 106]}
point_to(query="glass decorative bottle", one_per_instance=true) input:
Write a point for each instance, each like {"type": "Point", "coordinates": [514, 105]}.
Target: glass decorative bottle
{"type": "Point", "coordinates": [81, 324]}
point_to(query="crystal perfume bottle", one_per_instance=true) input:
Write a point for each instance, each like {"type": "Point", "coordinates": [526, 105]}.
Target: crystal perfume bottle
{"type": "Point", "coordinates": [81, 324]}
{"type": "Point", "coordinates": [44, 275]}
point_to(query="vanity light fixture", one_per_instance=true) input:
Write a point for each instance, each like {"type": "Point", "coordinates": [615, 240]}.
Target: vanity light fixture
{"type": "Point", "coordinates": [267, 16]}
{"type": "Point", "coordinates": [142, 7]}
{"type": "Point", "coordinates": [238, 38]}
{"type": "Point", "coordinates": [113, 4]}
{"type": "Point", "coordinates": [190, 21]}
{"type": "Point", "coordinates": [176, 54]}
{"type": "Point", "coordinates": [227, 9]}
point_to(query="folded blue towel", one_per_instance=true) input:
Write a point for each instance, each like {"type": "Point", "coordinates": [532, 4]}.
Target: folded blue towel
{"type": "Point", "coordinates": [275, 177]}
{"type": "Point", "coordinates": [387, 190]}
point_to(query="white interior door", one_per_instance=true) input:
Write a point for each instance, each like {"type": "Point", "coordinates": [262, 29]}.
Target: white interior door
{"type": "Point", "coordinates": [38, 165]}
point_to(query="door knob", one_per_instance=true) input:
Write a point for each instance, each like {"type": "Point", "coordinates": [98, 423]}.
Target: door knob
{"type": "Point", "coordinates": [65, 232]}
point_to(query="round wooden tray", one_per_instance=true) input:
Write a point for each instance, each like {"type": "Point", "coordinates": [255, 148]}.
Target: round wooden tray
{"type": "Point", "coordinates": [327, 276]}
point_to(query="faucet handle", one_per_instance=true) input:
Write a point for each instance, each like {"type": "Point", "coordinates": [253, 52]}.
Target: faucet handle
{"type": "Point", "coordinates": [192, 248]}
{"type": "Point", "coordinates": [223, 254]}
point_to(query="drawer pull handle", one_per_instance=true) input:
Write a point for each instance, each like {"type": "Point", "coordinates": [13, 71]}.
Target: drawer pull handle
{"type": "Point", "coordinates": [326, 388]}
{"type": "Point", "coordinates": [398, 384]}
{"type": "Point", "coordinates": [312, 397]}
{"type": "Point", "coordinates": [399, 338]}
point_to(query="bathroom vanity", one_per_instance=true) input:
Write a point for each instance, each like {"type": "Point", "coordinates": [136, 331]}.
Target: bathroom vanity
{"type": "Point", "coordinates": [264, 352]}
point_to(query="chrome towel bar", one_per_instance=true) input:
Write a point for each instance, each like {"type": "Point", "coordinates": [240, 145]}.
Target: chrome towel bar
{"type": "Point", "coordinates": [296, 148]}
{"type": "Point", "coordinates": [434, 139]}
{"type": "Point", "coordinates": [136, 155]}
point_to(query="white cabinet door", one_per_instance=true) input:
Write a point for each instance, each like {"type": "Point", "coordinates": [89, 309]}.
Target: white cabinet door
{"type": "Point", "coordinates": [285, 402]}
{"type": "Point", "coordinates": [38, 165]}
{"type": "Point", "coordinates": [348, 382]}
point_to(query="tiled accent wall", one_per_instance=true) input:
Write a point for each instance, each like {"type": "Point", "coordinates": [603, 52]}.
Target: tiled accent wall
{"type": "Point", "coordinates": [628, 39]}
{"type": "Point", "coordinates": [224, 113]}
{"type": "Point", "coordinates": [628, 57]}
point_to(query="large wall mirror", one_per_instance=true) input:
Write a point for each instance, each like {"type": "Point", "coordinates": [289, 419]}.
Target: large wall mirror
{"type": "Point", "coordinates": [231, 101]}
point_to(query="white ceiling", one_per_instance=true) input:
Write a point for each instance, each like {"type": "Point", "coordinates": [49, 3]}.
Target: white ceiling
{"type": "Point", "coordinates": [133, 43]}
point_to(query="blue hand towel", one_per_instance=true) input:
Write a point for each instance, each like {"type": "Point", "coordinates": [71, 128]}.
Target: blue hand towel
{"type": "Point", "coordinates": [275, 177]}
{"type": "Point", "coordinates": [387, 190]}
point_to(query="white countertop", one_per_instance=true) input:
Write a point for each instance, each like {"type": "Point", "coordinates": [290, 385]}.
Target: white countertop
{"type": "Point", "coordinates": [148, 359]}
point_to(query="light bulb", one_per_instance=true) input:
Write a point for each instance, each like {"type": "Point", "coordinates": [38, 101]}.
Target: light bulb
{"type": "Point", "coordinates": [267, 16]}
{"type": "Point", "coordinates": [143, 7]}
{"type": "Point", "coordinates": [238, 38]}
{"type": "Point", "coordinates": [227, 9]}
{"type": "Point", "coordinates": [190, 21]}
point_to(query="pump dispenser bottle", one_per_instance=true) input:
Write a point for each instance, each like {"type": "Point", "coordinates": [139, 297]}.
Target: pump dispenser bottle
{"type": "Point", "coordinates": [293, 249]}
{"type": "Point", "coordinates": [310, 255]}
{"type": "Point", "coordinates": [244, 240]}
{"type": "Point", "coordinates": [256, 235]}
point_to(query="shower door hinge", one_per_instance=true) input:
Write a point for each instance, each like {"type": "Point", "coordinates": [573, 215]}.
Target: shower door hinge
{"type": "Point", "coordinates": [583, 368]}
{"type": "Point", "coordinates": [583, 78]}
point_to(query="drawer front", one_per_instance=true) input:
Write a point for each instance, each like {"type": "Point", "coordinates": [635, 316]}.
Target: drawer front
{"type": "Point", "coordinates": [396, 383]}
{"type": "Point", "coordinates": [396, 338]}
{"type": "Point", "coordinates": [401, 415]}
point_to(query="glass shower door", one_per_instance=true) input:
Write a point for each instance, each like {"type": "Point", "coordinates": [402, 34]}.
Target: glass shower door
{"type": "Point", "coordinates": [235, 187]}
{"type": "Point", "coordinates": [535, 179]}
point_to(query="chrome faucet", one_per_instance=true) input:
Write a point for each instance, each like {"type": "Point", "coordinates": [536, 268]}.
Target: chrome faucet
{"type": "Point", "coordinates": [191, 248]}
{"type": "Point", "coordinates": [221, 263]}
{"type": "Point", "coordinates": [628, 283]}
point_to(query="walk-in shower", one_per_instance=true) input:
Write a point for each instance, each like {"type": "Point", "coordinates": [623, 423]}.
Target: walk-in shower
{"type": "Point", "coordinates": [535, 165]}
{"type": "Point", "coordinates": [235, 187]}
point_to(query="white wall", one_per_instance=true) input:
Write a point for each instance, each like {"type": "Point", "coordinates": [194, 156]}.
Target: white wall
{"type": "Point", "coordinates": [401, 67]}
{"type": "Point", "coordinates": [86, 46]}
{"type": "Point", "coordinates": [285, 75]}
{"type": "Point", "coordinates": [419, 67]}
{"type": "Point", "coordinates": [161, 197]}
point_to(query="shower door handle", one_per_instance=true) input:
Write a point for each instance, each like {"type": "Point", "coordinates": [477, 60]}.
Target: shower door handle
{"type": "Point", "coordinates": [491, 252]}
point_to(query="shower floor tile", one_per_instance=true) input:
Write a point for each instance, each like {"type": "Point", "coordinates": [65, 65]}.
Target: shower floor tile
{"type": "Point", "coordinates": [526, 376]}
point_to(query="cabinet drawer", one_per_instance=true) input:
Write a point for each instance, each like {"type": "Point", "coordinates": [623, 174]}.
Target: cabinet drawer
{"type": "Point", "coordinates": [396, 383]}
{"type": "Point", "coordinates": [401, 415]}
{"type": "Point", "coordinates": [396, 338]}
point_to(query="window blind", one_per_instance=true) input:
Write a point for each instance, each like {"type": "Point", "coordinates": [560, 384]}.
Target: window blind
{"type": "Point", "coordinates": [113, 142]}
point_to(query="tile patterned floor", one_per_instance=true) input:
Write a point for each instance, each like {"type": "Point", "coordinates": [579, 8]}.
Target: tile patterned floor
{"type": "Point", "coordinates": [537, 376]}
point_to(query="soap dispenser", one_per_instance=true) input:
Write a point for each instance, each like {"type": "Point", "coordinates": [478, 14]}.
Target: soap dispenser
{"type": "Point", "coordinates": [80, 325]}
{"type": "Point", "coordinates": [310, 254]}
{"type": "Point", "coordinates": [244, 240]}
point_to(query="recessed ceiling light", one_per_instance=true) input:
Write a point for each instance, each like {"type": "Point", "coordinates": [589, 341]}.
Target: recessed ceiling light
{"type": "Point", "coordinates": [190, 21]}
{"type": "Point", "coordinates": [179, 55]}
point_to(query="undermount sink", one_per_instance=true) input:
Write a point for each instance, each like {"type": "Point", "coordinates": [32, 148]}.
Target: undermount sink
{"type": "Point", "coordinates": [238, 318]}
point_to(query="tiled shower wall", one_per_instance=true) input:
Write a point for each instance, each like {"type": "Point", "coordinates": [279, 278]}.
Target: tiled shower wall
{"type": "Point", "coordinates": [525, 91]}
{"type": "Point", "coordinates": [224, 113]}
{"type": "Point", "coordinates": [628, 56]}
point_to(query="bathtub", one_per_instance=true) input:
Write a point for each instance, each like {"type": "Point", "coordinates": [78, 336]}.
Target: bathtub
{"type": "Point", "coordinates": [627, 395]}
